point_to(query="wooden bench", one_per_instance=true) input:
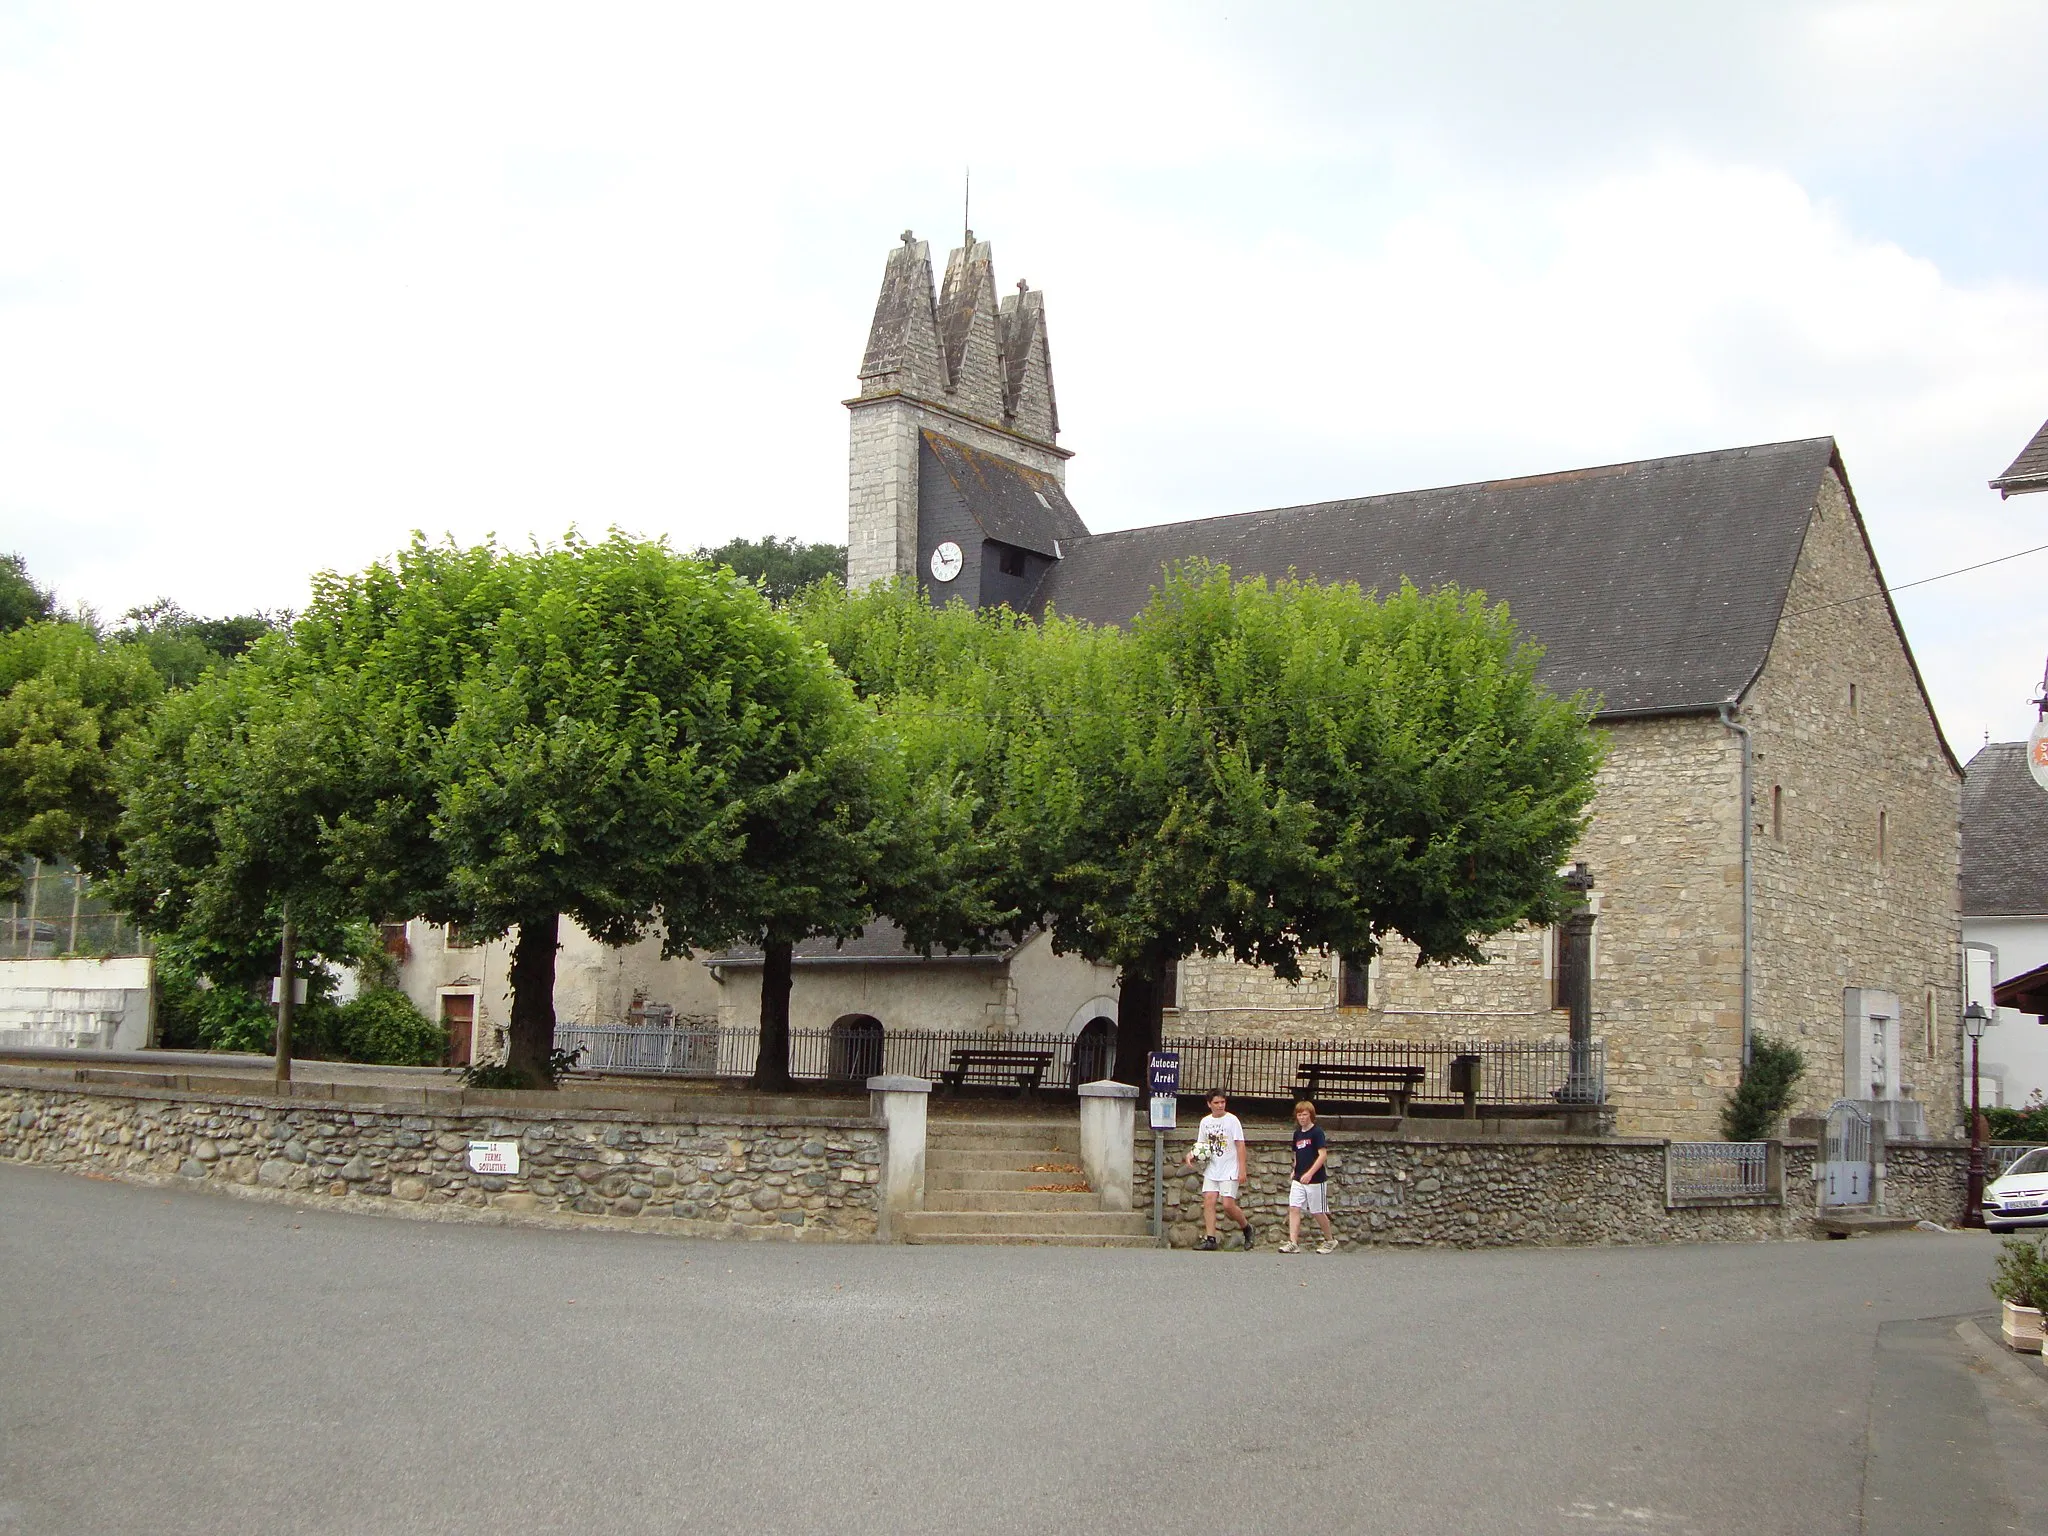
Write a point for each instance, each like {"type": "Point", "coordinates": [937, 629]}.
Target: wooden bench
{"type": "Point", "coordinates": [1022, 1070]}
{"type": "Point", "coordinates": [1394, 1084]}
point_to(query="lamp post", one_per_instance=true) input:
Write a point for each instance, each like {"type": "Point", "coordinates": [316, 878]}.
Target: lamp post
{"type": "Point", "coordinates": [1975, 1022]}
{"type": "Point", "coordinates": [1582, 1084]}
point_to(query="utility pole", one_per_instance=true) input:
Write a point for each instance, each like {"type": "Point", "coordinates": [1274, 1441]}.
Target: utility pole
{"type": "Point", "coordinates": [287, 955]}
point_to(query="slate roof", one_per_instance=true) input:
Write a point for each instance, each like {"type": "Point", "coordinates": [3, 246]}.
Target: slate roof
{"type": "Point", "coordinates": [1010, 503]}
{"type": "Point", "coordinates": [2005, 834]}
{"type": "Point", "coordinates": [880, 941]}
{"type": "Point", "coordinates": [1656, 585]}
{"type": "Point", "coordinates": [2028, 472]}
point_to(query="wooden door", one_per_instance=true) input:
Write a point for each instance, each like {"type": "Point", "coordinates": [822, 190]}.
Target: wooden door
{"type": "Point", "coordinates": [458, 1017]}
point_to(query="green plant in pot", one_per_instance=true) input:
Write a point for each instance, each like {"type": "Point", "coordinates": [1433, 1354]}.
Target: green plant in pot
{"type": "Point", "coordinates": [2020, 1282]}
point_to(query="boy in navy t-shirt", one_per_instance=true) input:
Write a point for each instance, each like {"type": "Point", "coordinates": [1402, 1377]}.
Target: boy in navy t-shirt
{"type": "Point", "coordinates": [1310, 1188]}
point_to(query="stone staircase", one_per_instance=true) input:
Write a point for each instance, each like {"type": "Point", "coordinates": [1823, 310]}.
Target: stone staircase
{"type": "Point", "coordinates": [1011, 1181]}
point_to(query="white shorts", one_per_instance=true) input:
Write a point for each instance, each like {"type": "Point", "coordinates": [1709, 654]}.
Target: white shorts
{"type": "Point", "coordinates": [1212, 1185]}
{"type": "Point", "coordinates": [1313, 1198]}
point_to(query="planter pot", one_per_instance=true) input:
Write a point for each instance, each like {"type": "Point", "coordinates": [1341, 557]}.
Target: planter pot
{"type": "Point", "coordinates": [2021, 1327]}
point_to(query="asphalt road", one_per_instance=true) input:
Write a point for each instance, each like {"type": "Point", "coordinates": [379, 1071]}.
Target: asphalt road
{"type": "Point", "coordinates": [175, 1361]}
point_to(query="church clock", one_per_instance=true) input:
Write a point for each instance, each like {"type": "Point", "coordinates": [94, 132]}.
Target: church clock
{"type": "Point", "coordinates": [946, 561]}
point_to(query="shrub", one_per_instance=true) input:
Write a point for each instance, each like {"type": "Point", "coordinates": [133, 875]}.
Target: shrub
{"type": "Point", "coordinates": [2022, 1274]}
{"type": "Point", "coordinates": [2028, 1122]}
{"type": "Point", "coordinates": [382, 1025]}
{"type": "Point", "coordinates": [1752, 1112]}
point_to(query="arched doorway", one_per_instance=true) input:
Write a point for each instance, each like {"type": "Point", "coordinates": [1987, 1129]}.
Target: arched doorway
{"type": "Point", "coordinates": [855, 1048]}
{"type": "Point", "coordinates": [1095, 1050]}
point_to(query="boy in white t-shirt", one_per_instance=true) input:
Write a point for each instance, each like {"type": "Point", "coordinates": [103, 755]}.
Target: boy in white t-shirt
{"type": "Point", "coordinates": [1220, 1139]}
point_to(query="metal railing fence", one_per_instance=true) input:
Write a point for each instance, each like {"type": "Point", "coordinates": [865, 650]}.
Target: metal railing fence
{"type": "Point", "coordinates": [58, 912]}
{"type": "Point", "coordinates": [1717, 1170]}
{"type": "Point", "coordinates": [1509, 1072]}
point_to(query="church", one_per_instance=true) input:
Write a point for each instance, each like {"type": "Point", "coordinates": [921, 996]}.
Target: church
{"type": "Point", "coordinates": [1774, 843]}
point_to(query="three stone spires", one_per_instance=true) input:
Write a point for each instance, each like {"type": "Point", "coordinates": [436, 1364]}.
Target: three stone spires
{"type": "Point", "coordinates": [958, 348]}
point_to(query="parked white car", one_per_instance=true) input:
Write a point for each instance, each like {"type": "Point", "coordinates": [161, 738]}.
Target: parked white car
{"type": "Point", "coordinates": [2020, 1197]}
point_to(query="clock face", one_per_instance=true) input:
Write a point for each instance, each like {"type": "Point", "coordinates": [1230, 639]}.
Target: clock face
{"type": "Point", "coordinates": [946, 561]}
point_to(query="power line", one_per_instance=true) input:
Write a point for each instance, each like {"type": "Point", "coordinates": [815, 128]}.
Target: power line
{"type": "Point", "coordinates": [1962, 570]}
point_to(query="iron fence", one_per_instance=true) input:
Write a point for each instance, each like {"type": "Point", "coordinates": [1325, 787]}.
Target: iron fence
{"type": "Point", "coordinates": [58, 912]}
{"type": "Point", "coordinates": [1500, 1072]}
{"type": "Point", "coordinates": [1509, 1071]}
{"type": "Point", "coordinates": [1717, 1170]}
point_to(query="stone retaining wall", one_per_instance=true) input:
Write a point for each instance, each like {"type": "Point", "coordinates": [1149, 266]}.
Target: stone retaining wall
{"type": "Point", "coordinates": [786, 1177]}
{"type": "Point", "coordinates": [1479, 1194]}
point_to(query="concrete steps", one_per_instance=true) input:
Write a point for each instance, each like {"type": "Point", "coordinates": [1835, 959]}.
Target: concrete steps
{"type": "Point", "coordinates": [1011, 1181]}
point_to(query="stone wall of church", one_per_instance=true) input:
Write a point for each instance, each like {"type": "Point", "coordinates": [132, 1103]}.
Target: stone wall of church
{"type": "Point", "coordinates": [1833, 910]}
{"type": "Point", "coordinates": [1665, 849]}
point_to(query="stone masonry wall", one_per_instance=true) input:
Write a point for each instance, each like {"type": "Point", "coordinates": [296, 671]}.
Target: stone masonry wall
{"type": "Point", "coordinates": [796, 1178]}
{"type": "Point", "coordinates": [1414, 1190]}
{"type": "Point", "coordinates": [1665, 849]}
{"type": "Point", "coordinates": [1830, 911]}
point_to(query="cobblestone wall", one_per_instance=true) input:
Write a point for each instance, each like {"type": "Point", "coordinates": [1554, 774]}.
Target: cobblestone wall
{"type": "Point", "coordinates": [1483, 1194]}
{"type": "Point", "coordinates": [717, 1178]}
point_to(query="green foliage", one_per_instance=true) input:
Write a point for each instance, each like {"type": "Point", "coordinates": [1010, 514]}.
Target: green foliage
{"type": "Point", "coordinates": [2024, 1122]}
{"type": "Point", "coordinates": [183, 648]}
{"type": "Point", "coordinates": [1765, 1093]}
{"type": "Point", "coordinates": [1254, 770]}
{"type": "Point", "coordinates": [382, 1025]}
{"type": "Point", "coordinates": [21, 600]}
{"type": "Point", "coordinates": [2022, 1273]}
{"type": "Point", "coordinates": [67, 704]}
{"type": "Point", "coordinates": [781, 568]}
{"type": "Point", "coordinates": [229, 795]}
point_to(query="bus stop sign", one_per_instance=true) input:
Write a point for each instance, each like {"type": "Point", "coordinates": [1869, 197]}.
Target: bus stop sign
{"type": "Point", "coordinates": [1162, 1074]}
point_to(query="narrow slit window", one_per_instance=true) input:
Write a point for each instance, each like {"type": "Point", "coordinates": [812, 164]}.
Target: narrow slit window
{"type": "Point", "coordinates": [1880, 837]}
{"type": "Point", "coordinates": [1354, 982]}
{"type": "Point", "coordinates": [1777, 813]}
{"type": "Point", "coordinates": [1852, 698]}
{"type": "Point", "coordinates": [1169, 986]}
{"type": "Point", "coordinates": [1930, 1023]}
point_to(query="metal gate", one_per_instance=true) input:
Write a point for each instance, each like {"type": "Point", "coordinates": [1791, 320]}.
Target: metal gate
{"type": "Point", "coordinates": [1845, 1169]}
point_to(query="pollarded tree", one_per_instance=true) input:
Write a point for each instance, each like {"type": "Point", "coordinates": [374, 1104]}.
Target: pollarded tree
{"type": "Point", "coordinates": [1258, 770]}
{"type": "Point", "coordinates": [228, 795]}
{"type": "Point", "coordinates": [610, 732]}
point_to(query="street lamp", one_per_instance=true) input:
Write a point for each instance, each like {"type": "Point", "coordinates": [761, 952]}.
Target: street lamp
{"type": "Point", "coordinates": [1975, 1022]}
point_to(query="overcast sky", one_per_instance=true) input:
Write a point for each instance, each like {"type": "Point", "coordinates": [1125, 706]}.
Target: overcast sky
{"type": "Point", "coordinates": [281, 283]}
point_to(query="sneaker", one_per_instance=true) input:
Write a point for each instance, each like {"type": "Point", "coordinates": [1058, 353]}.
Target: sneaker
{"type": "Point", "coordinates": [1206, 1245]}
{"type": "Point", "coordinates": [1327, 1245]}
{"type": "Point", "coordinates": [1290, 1247]}
{"type": "Point", "coordinates": [1247, 1237]}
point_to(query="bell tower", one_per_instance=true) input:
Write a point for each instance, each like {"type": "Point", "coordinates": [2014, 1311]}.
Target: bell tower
{"type": "Point", "coordinates": [954, 382]}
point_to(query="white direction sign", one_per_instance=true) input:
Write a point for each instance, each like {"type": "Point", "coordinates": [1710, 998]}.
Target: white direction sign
{"type": "Point", "coordinates": [2037, 752]}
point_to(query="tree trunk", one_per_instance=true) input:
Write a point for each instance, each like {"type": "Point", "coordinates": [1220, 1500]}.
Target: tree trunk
{"type": "Point", "coordinates": [533, 999]}
{"type": "Point", "coordinates": [1140, 997]}
{"type": "Point", "coordinates": [771, 1066]}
